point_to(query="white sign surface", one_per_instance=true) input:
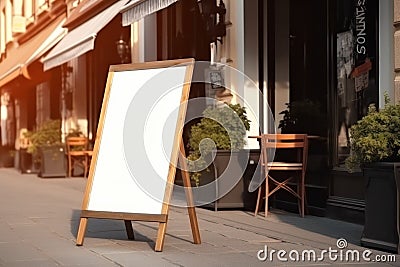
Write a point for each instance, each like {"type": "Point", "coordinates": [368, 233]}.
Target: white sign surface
{"type": "Point", "coordinates": [129, 173]}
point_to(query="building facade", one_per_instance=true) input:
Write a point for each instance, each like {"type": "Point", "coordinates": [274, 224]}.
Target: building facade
{"type": "Point", "coordinates": [29, 96]}
{"type": "Point", "coordinates": [333, 56]}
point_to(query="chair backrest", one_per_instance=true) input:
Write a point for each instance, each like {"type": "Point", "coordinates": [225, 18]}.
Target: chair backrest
{"type": "Point", "coordinates": [76, 143]}
{"type": "Point", "coordinates": [285, 141]}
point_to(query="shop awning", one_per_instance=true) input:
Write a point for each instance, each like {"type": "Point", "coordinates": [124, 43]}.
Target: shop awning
{"type": "Point", "coordinates": [138, 9]}
{"type": "Point", "coordinates": [81, 39]}
{"type": "Point", "coordinates": [19, 58]}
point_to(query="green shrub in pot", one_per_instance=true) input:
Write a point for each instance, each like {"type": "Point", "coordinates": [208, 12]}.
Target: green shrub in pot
{"type": "Point", "coordinates": [233, 119]}
{"type": "Point", "coordinates": [376, 137]}
{"type": "Point", "coordinates": [49, 133]}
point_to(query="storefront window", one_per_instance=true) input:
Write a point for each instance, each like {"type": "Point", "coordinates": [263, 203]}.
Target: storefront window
{"type": "Point", "coordinates": [42, 103]}
{"type": "Point", "coordinates": [356, 58]}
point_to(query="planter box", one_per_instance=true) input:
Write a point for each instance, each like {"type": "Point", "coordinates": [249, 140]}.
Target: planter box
{"type": "Point", "coordinates": [346, 196]}
{"type": "Point", "coordinates": [238, 196]}
{"type": "Point", "coordinates": [382, 207]}
{"type": "Point", "coordinates": [52, 161]}
{"type": "Point", "coordinates": [26, 162]}
{"type": "Point", "coordinates": [6, 157]}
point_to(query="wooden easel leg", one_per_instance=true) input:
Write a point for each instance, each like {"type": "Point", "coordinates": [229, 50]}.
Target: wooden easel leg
{"type": "Point", "coordinates": [160, 237]}
{"type": "Point", "coordinates": [129, 230]}
{"type": "Point", "coordinates": [189, 198]}
{"type": "Point", "coordinates": [81, 231]}
{"type": "Point", "coordinates": [194, 225]}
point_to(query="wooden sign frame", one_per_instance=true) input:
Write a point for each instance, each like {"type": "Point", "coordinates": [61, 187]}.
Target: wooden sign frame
{"type": "Point", "coordinates": [178, 146]}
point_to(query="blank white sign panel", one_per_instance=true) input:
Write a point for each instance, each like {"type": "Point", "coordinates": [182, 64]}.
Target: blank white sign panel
{"type": "Point", "coordinates": [136, 143]}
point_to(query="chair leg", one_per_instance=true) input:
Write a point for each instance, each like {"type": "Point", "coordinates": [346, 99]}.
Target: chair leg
{"type": "Point", "coordinates": [302, 196]}
{"type": "Point", "coordinates": [301, 193]}
{"type": "Point", "coordinates": [266, 196]}
{"type": "Point", "coordinates": [258, 200]}
{"type": "Point", "coordinates": [305, 203]}
{"type": "Point", "coordinates": [69, 167]}
{"type": "Point", "coordinates": [85, 167]}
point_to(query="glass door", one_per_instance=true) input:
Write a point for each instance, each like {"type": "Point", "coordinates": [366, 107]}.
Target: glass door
{"type": "Point", "coordinates": [356, 68]}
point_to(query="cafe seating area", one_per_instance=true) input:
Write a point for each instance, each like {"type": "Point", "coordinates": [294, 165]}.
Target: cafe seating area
{"type": "Point", "coordinates": [78, 154]}
{"type": "Point", "coordinates": [280, 172]}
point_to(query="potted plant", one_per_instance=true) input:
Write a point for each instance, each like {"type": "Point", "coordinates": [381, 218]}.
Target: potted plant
{"type": "Point", "coordinates": [226, 126]}
{"type": "Point", "coordinates": [375, 148]}
{"type": "Point", "coordinates": [7, 154]}
{"type": "Point", "coordinates": [303, 116]}
{"type": "Point", "coordinates": [47, 149]}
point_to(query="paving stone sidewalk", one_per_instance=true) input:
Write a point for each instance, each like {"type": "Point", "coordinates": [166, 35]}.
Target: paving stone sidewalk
{"type": "Point", "coordinates": [39, 220]}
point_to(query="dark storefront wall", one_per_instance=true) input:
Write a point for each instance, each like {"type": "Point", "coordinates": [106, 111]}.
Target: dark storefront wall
{"type": "Point", "coordinates": [301, 75]}
{"type": "Point", "coordinates": [314, 63]}
{"type": "Point", "coordinates": [312, 73]}
{"type": "Point", "coordinates": [181, 32]}
{"type": "Point", "coordinates": [307, 51]}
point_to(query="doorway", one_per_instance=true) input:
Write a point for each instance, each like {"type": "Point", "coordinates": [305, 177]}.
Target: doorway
{"type": "Point", "coordinates": [302, 66]}
{"type": "Point", "coordinates": [308, 66]}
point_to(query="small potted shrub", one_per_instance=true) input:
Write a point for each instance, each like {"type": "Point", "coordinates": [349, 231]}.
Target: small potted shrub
{"type": "Point", "coordinates": [47, 149]}
{"type": "Point", "coordinates": [303, 116]}
{"type": "Point", "coordinates": [375, 148]}
{"type": "Point", "coordinates": [226, 126]}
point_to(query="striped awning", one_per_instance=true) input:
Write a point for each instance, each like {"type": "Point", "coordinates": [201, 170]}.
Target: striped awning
{"type": "Point", "coordinates": [138, 9]}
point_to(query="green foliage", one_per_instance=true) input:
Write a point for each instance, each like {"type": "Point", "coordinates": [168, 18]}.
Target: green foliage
{"type": "Point", "coordinates": [226, 126]}
{"type": "Point", "coordinates": [302, 117]}
{"type": "Point", "coordinates": [376, 137]}
{"type": "Point", "coordinates": [48, 134]}
{"type": "Point", "coordinates": [74, 133]}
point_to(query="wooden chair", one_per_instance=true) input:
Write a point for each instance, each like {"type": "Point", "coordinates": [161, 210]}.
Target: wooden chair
{"type": "Point", "coordinates": [77, 154]}
{"type": "Point", "coordinates": [295, 168]}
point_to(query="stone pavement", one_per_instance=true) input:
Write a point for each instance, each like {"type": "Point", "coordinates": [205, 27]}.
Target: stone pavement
{"type": "Point", "coordinates": [39, 220]}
